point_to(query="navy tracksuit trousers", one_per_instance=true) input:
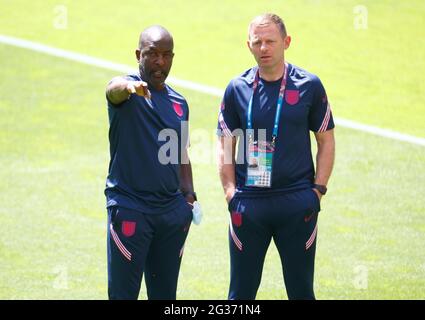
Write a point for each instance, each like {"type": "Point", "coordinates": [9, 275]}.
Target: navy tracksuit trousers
{"type": "Point", "coordinates": [140, 243]}
{"type": "Point", "coordinates": [291, 221]}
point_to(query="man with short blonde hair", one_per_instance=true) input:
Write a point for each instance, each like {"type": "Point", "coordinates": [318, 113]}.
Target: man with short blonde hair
{"type": "Point", "coordinates": [275, 191]}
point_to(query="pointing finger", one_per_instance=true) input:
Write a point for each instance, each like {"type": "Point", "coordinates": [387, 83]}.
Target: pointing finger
{"type": "Point", "coordinates": [130, 88]}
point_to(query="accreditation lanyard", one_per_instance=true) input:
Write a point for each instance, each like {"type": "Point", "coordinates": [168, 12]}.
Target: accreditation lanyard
{"type": "Point", "coordinates": [278, 106]}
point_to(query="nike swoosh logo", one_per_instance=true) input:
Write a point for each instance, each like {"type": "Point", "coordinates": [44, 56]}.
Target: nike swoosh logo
{"type": "Point", "coordinates": [308, 218]}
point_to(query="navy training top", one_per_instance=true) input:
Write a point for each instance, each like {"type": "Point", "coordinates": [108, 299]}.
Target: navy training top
{"type": "Point", "coordinates": [143, 135]}
{"type": "Point", "coordinates": [305, 108]}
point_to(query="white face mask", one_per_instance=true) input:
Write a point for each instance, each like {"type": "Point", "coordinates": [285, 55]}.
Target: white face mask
{"type": "Point", "coordinates": [197, 213]}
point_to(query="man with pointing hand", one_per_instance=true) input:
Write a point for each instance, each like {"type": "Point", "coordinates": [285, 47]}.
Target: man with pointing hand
{"type": "Point", "coordinates": [149, 200]}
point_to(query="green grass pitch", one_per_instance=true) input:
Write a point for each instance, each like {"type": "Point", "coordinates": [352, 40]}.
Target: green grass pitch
{"type": "Point", "coordinates": [54, 148]}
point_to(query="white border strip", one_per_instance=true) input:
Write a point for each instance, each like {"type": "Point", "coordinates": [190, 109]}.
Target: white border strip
{"type": "Point", "coordinates": [105, 64]}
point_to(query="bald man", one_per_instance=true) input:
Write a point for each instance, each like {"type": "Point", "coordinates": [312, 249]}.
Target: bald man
{"type": "Point", "coordinates": [149, 188]}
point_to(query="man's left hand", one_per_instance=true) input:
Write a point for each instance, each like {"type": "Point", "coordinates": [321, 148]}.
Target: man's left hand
{"type": "Point", "coordinates": [190, 199]}
{"type": "Point", "coordinates": [319, 195]}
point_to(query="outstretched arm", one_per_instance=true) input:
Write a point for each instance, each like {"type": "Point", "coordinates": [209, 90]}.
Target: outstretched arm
{"type": "Point", "coordinates": [119, 89]}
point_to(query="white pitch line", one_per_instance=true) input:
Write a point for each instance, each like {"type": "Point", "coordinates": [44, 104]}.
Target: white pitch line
{"type": "Point", "coordinates": [105, 64]}
{"type": "Point", "coordinates": [101, 63]}
{"type": "Point", "coordinates": [380, 132]}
